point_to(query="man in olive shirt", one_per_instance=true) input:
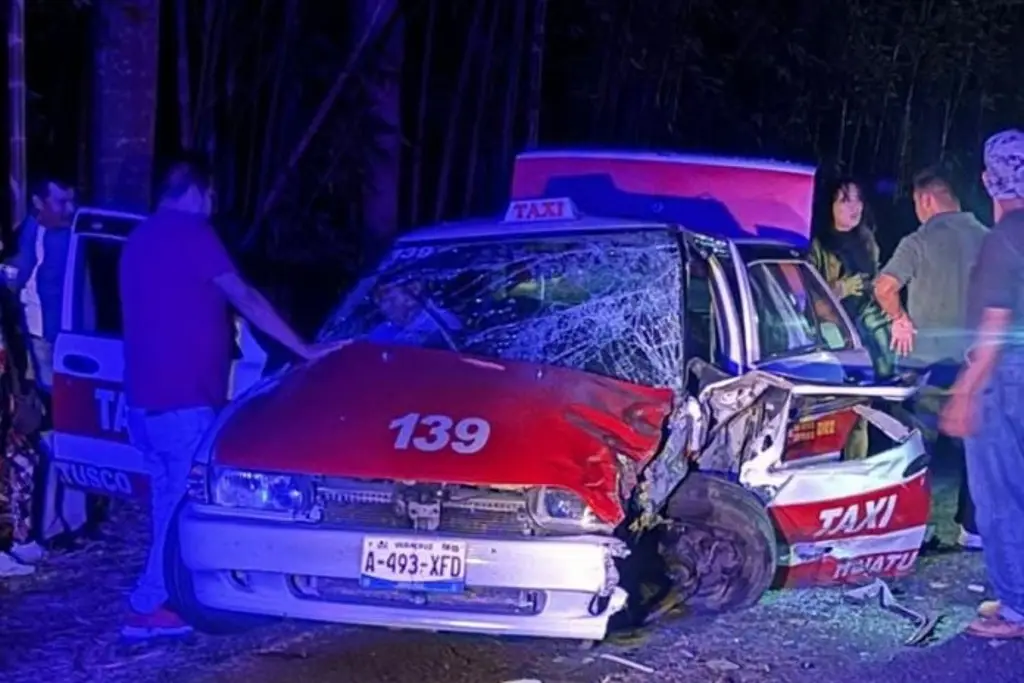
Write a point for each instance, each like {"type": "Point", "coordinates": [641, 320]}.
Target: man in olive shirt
{"type": "Point", "coordinates": [934, 263]}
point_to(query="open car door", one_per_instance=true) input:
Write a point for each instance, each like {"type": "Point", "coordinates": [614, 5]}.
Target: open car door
{"type": "Point", "coordinates": [90, 440]}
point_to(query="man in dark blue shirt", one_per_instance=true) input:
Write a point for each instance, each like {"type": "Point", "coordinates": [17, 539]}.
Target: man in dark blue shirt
{"type": "Point", "coordinates": [986, 408]}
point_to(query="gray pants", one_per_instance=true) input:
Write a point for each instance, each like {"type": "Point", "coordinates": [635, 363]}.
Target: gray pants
{"type": "Point", "coordinates": [168, 442]}
{"type": "Point", "coordinates": [995, 465]}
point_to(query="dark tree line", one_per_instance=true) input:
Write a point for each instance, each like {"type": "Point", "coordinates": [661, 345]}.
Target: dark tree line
{"type": "Point", "coordinates": [335, 124]}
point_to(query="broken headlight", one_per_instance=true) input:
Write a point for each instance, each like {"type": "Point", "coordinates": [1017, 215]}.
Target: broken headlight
{"type": "Point", "coordinates": [260, 491]}
{"type": "Point", "coordinates": [563, 512]}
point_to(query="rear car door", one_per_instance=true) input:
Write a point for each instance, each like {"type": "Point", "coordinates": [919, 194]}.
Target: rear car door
{"type": "Point", "coordinates": [90, 440]}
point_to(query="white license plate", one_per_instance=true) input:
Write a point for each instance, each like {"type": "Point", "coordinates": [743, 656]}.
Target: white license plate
{"type": "Point", "coordinates": [391, 562]}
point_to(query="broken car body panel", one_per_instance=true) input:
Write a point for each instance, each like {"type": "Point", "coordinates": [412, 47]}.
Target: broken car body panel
{"type": "Point", "coordinates": [837, 521]}
{"type": "Point", "coordinates": [782, 354]}
{"type": "Point", "coordinates": [456, 420]}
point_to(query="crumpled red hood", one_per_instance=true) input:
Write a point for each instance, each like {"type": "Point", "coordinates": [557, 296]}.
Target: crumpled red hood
{"type": "Point", "coordinates": [348, 415]}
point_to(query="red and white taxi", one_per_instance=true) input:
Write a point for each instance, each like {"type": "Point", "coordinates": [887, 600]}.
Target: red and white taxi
{"type": "Point", "coordinates": [530, 406]}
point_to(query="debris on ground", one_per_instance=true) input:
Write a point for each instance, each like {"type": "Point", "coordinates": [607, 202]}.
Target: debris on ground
{"type": "Point", "coordinates": [880, 591]}
{"type": "Point", "coordinates": [626, 662]}
{"type": "Point", "coordinates": [721, 665]}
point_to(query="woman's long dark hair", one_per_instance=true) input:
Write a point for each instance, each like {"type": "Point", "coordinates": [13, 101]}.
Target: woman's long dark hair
{"type": "Point", "coordinates": [826, 192]}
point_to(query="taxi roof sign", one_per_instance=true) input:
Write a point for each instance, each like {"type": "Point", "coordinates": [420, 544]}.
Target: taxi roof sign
{"type": "Point", "coordinates": [537, 210]}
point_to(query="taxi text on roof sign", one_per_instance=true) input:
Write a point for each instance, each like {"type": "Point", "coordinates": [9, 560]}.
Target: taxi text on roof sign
{"type": "Point", "coordinates": [533, 210]}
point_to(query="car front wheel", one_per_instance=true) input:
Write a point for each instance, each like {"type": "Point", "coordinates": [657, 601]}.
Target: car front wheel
{"type": "Point", "coordinates": [719, 546]}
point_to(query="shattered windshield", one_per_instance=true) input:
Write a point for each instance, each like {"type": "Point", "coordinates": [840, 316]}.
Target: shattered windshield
{"type": "Point", "coordinates": [795, 312]}
{"type": "Point", "coordinates": [607, 303]}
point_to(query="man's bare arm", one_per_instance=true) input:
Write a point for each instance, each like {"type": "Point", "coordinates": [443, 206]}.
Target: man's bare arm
{"type": "Point", "coordinates": [257, 310]}
{"type": "Point", "coordinates": [985, 352]}
{"type": "Point", "coordinates": [887, 292]}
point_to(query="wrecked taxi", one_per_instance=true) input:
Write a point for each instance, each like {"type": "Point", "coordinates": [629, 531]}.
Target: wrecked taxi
{"type": "Point", "coordinates": [538, 412]}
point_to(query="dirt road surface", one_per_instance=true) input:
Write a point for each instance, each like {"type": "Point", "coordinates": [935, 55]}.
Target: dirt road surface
{"type": "Point", "coordinates": [61, 625]}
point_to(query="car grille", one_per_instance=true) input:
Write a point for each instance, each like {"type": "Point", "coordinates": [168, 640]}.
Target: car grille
{"type": "Point", "coordinates": [468, 511]}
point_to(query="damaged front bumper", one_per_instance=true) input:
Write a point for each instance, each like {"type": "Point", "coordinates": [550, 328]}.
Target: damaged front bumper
{"type": "Point", "coordinates": [558, 587]}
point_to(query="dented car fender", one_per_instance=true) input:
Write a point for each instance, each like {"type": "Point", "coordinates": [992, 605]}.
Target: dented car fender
{"type": "Point", "coordinates": [729, 423]}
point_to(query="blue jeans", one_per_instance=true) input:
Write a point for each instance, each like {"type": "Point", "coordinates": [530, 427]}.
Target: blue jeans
{"type": "Point", "coordinates": [995, 463]}
{"type": "Point", "coordinates": [42, 362]}
{"type": "Point", "coordinates": [168, 442]}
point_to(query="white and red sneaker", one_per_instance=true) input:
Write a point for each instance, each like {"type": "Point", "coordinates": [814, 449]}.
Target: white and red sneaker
{"type": "Point", "coordinates": [161, 623]}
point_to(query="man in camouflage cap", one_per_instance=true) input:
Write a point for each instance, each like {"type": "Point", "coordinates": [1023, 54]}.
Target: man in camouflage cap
{"type": "Point", "coordinates": [986, 408]}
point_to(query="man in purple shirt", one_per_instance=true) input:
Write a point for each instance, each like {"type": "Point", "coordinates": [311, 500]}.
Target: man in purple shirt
{"type": "Point", "coordinates": [177, 287]}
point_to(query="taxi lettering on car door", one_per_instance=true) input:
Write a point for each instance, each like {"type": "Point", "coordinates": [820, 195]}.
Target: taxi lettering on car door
{"type": "Point", "coordinates": [848, 521]}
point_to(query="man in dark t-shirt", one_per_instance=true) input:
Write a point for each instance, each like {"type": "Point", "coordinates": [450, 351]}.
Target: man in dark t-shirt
{"type": "Point", "coordinates": [177, 287]}
{"type": "Point", "coordinates": [987, 404]}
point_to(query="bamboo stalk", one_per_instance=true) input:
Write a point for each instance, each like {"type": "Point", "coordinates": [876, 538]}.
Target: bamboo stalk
{"type": "Point", "coordinates": [18, 171]}
{"type": "Point", "coordinates": [268, 152]}
{"type": "Point", "coordinates": [450, 134]}
{"type": "Point", "coordinates": [540, 9]}
{"type": "Point", "coordinates": [481, 104]}
{"type": "Point", "coordinates": [512, 91]}
{"type": "Point", "coordinates": [421, 114]}
{"type": "Point", "coordinates": [205, 68]}
{"type": "Point", "coordinates": [184, 74]}
{"type": "Point", "coordinates": [251, 152]}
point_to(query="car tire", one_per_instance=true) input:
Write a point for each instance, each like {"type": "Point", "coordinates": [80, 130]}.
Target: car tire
{"type": "Point", "coordinates": [182, 596]}
{"type": "Point", "coordinates": [719, 546]}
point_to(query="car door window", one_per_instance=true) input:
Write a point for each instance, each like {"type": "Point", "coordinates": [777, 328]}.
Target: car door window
{"type": "Point", "coordinates": [701, 318]}
{"type": "Point", "coordinates": [97, 302]}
